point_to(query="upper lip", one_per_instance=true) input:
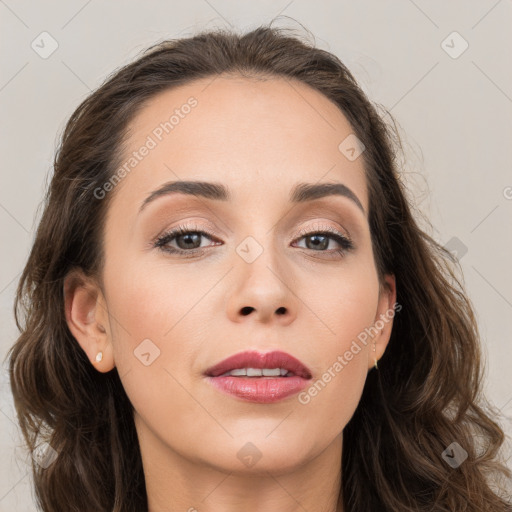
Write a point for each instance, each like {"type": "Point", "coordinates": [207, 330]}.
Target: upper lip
{"type": "Point", "coordinates": [254, 359]}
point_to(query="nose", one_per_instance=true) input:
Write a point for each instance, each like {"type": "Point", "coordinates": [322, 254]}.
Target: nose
{"type": "Point", "coordinates": [263, 292]}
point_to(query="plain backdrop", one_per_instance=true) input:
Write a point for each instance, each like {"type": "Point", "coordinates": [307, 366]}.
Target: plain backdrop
{"type": "Point", "coordinates": [440, 68]}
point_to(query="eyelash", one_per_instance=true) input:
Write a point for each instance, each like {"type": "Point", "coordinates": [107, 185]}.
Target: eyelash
{"type": "Point", "coordinates": [162, 241]}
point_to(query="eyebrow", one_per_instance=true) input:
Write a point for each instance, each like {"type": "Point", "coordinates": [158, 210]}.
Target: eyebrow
{"type": "Point", "coordinates": [300, 193]}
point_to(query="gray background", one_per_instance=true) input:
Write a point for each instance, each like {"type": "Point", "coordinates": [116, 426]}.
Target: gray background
{"type": "Point", "coordinates": [454, 109]}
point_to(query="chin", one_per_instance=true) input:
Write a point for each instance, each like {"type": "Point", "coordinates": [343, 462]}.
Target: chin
{"type": "Point", "coordinates": [259, 454]}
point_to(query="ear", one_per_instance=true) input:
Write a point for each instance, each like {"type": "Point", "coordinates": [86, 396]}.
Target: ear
{"type": "Point", "coordinates": [87, 318]}
{"type": "Point", "coordinates": [383, 322]}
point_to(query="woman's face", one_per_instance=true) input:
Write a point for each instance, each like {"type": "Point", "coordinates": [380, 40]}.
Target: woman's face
{"type": "Point", "coordinates": [256, 282]}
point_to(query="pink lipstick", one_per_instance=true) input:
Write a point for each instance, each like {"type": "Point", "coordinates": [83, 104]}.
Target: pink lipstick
{"type": "Point", "coordinates": [259, 377]}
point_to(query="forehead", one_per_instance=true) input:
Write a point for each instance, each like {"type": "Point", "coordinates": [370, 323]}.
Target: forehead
{"type": "Point", "coordinates": [258, 136]}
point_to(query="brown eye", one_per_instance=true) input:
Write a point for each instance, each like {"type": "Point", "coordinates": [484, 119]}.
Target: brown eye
{"type": "Point", "coordinates": [188, 240]}
{"type": "Point", "coordinates": [318, 241]}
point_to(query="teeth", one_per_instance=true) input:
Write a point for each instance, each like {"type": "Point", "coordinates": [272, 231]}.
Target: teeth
{"type": "Point", "coordinates": [276, 372]}
{"type": "Point", "coordinates": [258, 372]}
{"type": "Point", "coordinates": [238, 372]}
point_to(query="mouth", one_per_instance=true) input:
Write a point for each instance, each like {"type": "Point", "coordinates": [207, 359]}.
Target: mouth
{"type": "Point", "coordinates": [257, 377]}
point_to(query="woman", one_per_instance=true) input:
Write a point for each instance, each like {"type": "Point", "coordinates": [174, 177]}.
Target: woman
{"type": "Point", "coordinates": [229, 305]}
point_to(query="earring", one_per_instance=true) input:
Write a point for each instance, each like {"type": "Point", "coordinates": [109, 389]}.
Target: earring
{"type": "Point", "coordinates": [375, 359]}
{"type": "Point", "coordinates": [99, 356]}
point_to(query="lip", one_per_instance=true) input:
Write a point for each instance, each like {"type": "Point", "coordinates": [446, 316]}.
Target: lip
{"type": "Point", "coordinates": [259, 389]}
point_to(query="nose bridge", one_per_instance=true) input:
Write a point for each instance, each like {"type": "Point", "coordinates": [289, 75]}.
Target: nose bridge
{"type": "Point", "coordinates": [259, 245]}
{"type": "Point", "coordinates": [261, 261]}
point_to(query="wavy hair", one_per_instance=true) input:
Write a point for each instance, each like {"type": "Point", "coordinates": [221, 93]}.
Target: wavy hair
{"type": "Point", "coordinates": [425, 395]}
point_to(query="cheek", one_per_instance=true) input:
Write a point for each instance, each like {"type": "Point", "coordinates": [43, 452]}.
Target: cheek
{"type": "Point", "coordinates": [332, 398]}
{"type": "Point", "coordinates": [140, 315]}
{"type": "Point", "coordinates": [147, 299]}
{"type": "Point", "coordinates": [139, 308]}
{"type": "Point", "coordinates": [344, 302]}
{"type": "Point", "coordinates": [154, 341]}
{"type": "Point", "coordinates": [345, 309]}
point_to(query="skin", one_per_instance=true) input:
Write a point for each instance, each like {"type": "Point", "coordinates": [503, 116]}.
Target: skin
{"type": "Point", "coordinates": [259, 138]}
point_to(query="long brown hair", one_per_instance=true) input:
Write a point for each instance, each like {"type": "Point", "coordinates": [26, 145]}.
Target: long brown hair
{"type": "Point", "coordinates": [425, 394]}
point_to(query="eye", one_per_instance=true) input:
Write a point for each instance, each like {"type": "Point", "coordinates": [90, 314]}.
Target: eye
{"type": "Point", "coordinates": [187, 238]}
{"type": "Point", "coordinates": [319, 240]}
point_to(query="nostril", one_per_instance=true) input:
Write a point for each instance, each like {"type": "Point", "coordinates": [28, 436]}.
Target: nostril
{"type": "Point", "coordinates": [246, 310]}
{"type": "Point", "coordinates": [281, 311]}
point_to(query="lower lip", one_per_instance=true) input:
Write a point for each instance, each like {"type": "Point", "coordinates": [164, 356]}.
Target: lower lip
{"type": "Point", "coordinates": [262, 390]}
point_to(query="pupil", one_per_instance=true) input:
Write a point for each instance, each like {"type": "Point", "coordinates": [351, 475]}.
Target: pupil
{"type": "Point", "coordinates": [322, 245]}
{"type": "Point", "coordinates": [188, 237]}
